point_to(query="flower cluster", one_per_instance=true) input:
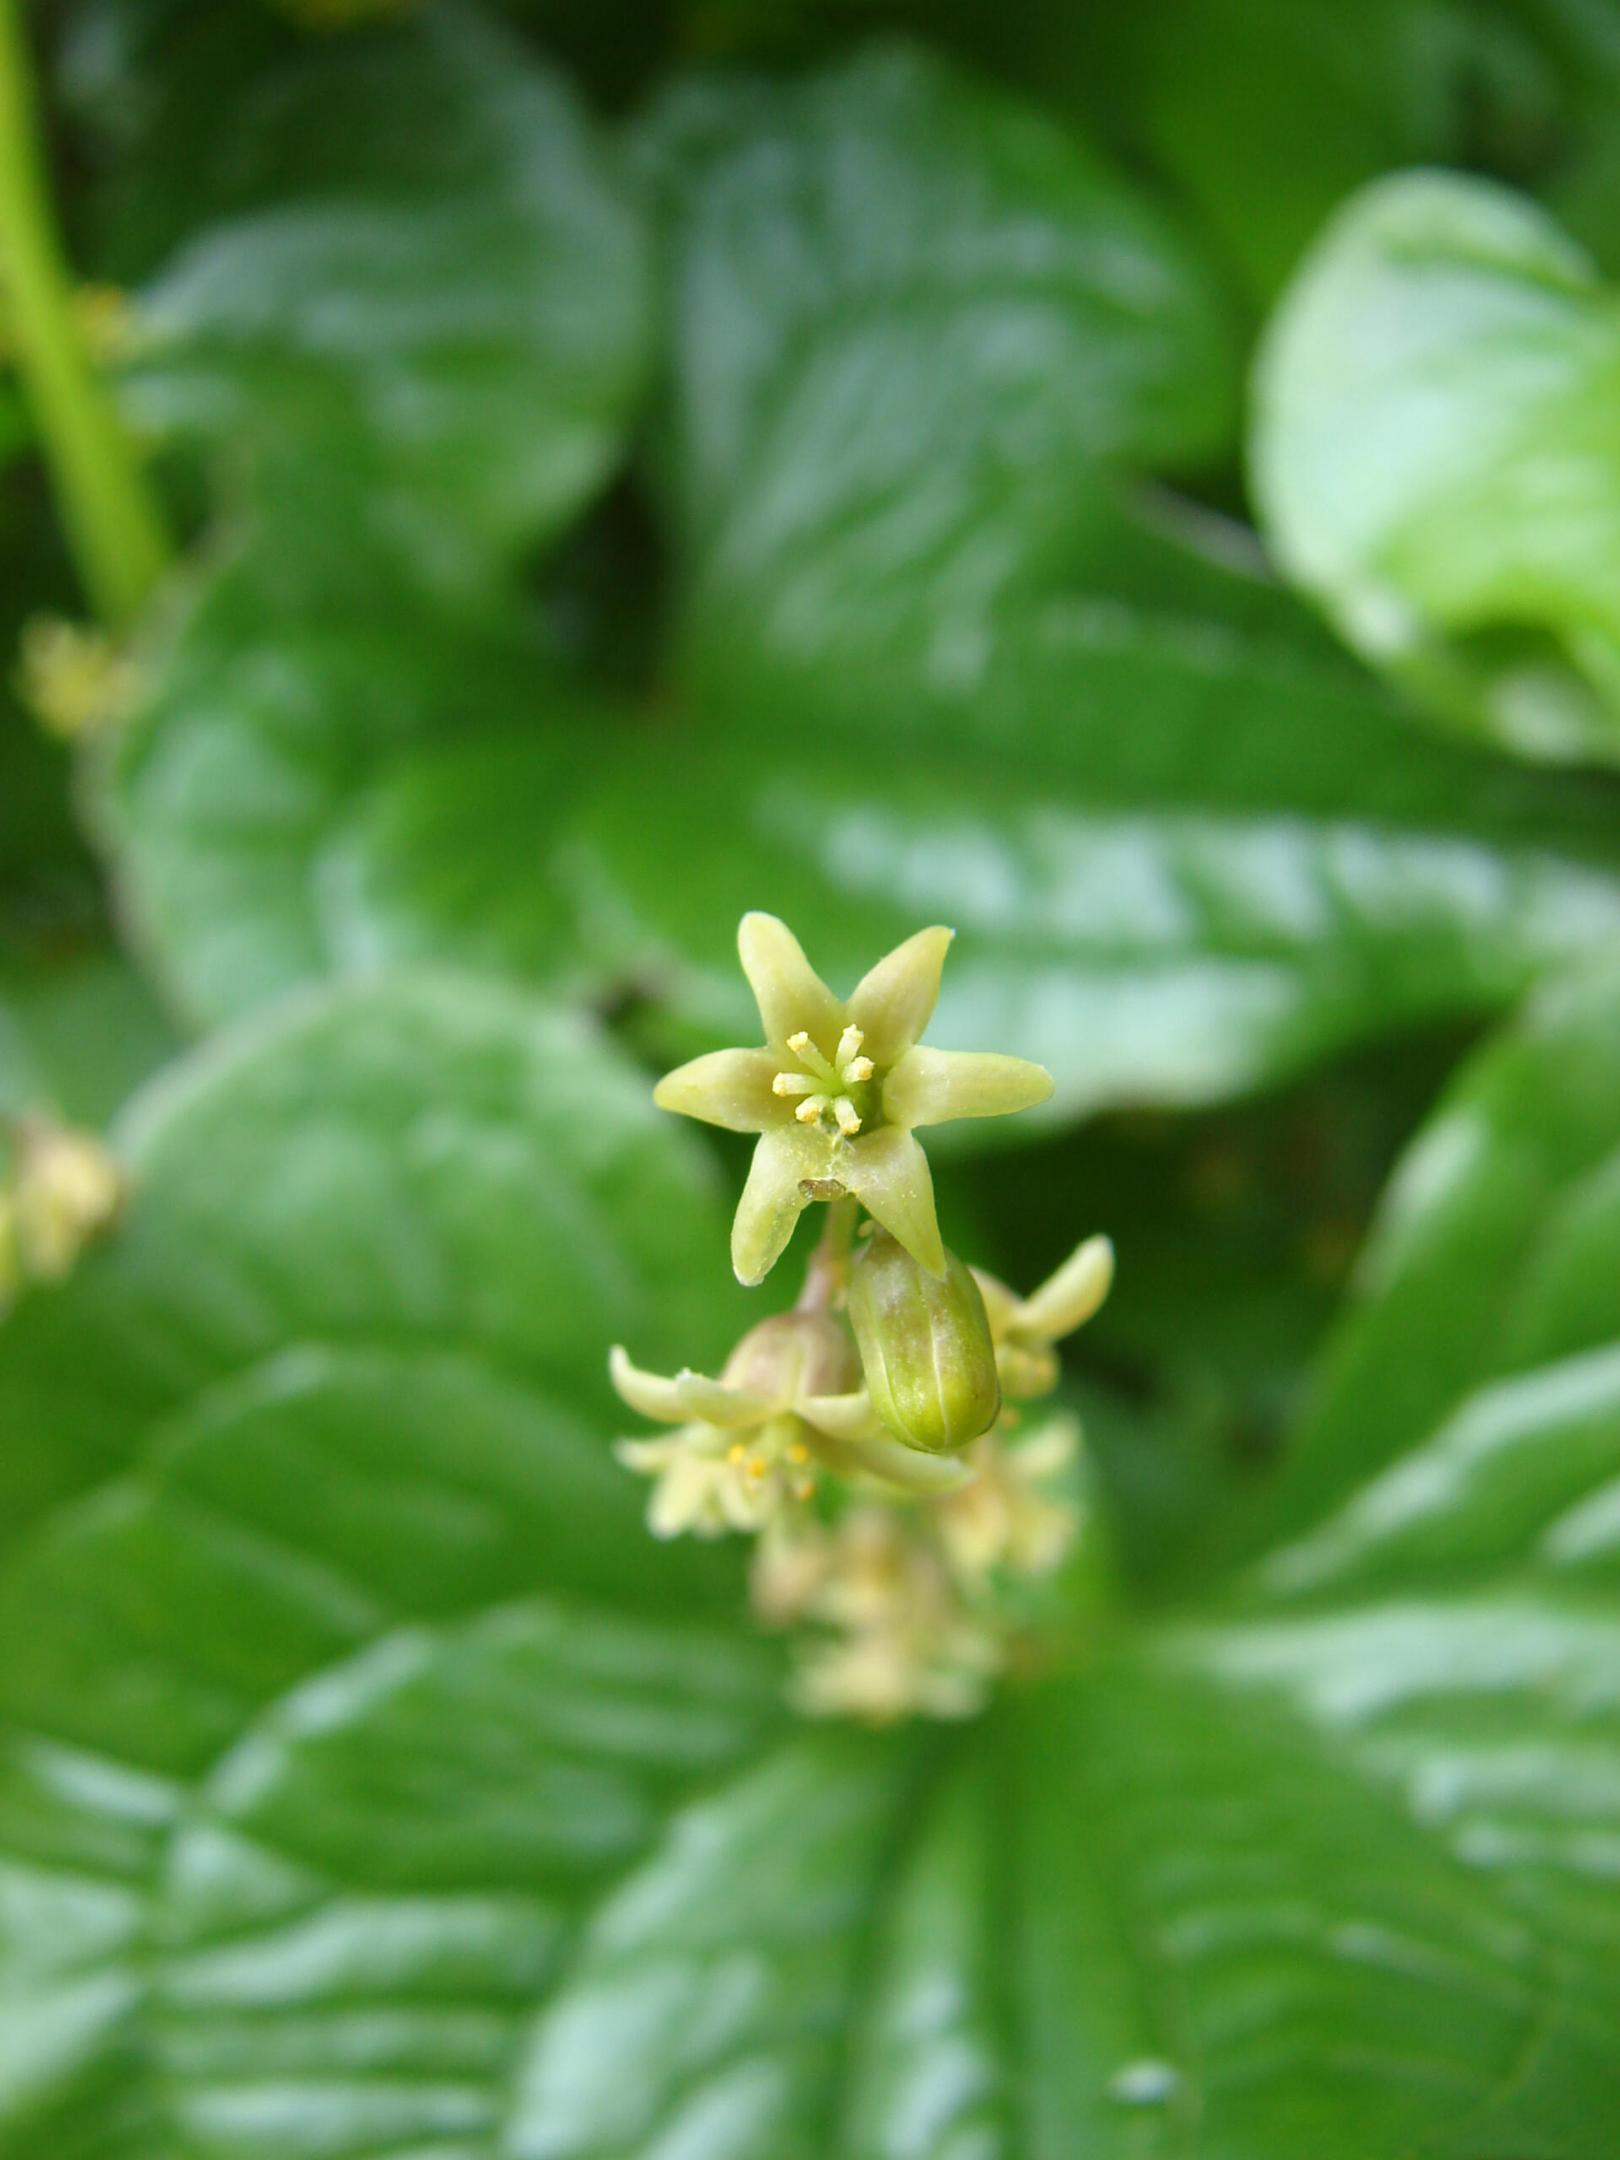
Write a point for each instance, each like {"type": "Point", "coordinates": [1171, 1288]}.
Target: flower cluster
{"type": "Point", "coordinates": [868, 1438]}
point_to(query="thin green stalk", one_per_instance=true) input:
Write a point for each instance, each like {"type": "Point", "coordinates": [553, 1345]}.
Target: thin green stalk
{"type": "Point", "coordinates": [827, 1276]}
{"type": "Point", "coordinates": [117, 538]}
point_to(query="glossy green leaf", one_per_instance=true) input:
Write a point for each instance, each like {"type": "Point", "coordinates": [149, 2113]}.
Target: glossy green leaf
{"type": "Point", "coordinates": [1490, 1296]}
{"type": "Point", "coordinates": [1263, 865]}
{"type": "Point", "coordinates": [440, 1173]}
{"type": "Point", "coordinates": [910, 315]}
{"type": "Point", "coordinates": [281, 715]}
{"type": "Point", "coordinates": [1437, 458]}
{"type": "Point", "coordinates": [419, 261]}
{"type": "Point", "coordinates": [1260, 866]}
{"type": "Point", "coordinates": [370, 1784]}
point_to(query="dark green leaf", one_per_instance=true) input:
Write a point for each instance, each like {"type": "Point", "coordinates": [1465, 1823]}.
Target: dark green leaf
{"type": "Point", "coordinates": [1491, 1292]}
{"type": "Point", "coordinates": [420, 263]}
{"type": "Point", "coordinates": [77, 1035]}
{"type": "Point", "coordinates": [910, 314]}
{"type": "Point", "coordinates": [1259, 866]}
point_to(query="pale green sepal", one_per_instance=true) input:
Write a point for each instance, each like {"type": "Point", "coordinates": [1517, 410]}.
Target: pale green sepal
{"type": "Point", "coordinates": [650, 1394]}
{"type": "Point", "coordinates": [713, 1403]}
{"type": "Point", "coordinates": [1067, 1299]}
{"type": "Point", "coordinates": [928, 1087]}
{"type": "Point", "coordinates": [845, 1417]}
{"type": "Point", "coordinates": [789, 993]}
{"type": "Point", "coordinates": [888, 1173]}
{"type": "Point", "coordinates": [773, 1198]}
{"type": "Point", "coordinates": [731, 1088]}
{"type": "Point", "coordinates": [880, 1457]}
{"type": "Point", "coordinates": [894, 1001]}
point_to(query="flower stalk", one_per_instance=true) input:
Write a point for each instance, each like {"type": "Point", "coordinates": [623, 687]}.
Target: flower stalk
{"type": "Point", "coordinates": [112, 524]}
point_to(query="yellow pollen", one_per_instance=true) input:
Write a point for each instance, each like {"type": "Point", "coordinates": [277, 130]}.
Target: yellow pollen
{"type": "Point", "coordinates": [800, 1043]}
{"type": "Point", "coordinates": [849, 1044]}
{"type": "Point", "coordinates": [849, 1122]}
{"type": "Point", "coordinates": [756, 1466]}
{"type": "Point", "coordinates": [798, 1452]}
{"type": "Point", "coordinates": [804, 1489]}
{"type": "Point", "coordinates": [809, 1111]}
{"type": "Point", "coordinates": [736, 1453]}
{"type": "Point", "coordinates": [792, 1084]}
{"type": "Point", "coordinates": [859, 1069]}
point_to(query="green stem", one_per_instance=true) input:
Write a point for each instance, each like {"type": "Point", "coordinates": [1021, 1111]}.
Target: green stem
{"type": "Point", "coordinates": [117, 539]}
{"type": "Point", "coordinates": [827, 1276]}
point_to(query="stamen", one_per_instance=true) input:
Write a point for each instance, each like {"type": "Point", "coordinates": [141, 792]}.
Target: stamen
{"type": "Point", "coordinates": [809, 1111]}
{"type": "Point", "coordinates": [849, 1122]}
{"type": "Point", "coordinates": [849, 1044]}
{"type": "Point", "coordinates": [792, 1084]}
{"type": "Point", "coordinates": [808, 1055]}
{"type": "Point", "coordinates": [798, 1453]}
{"type": "Point", "coordinates": [736, 1453]}
{"type": "Point", "coordinates": [756, 1466]}
{"type": "Point", "coordinates": [858, 1069]}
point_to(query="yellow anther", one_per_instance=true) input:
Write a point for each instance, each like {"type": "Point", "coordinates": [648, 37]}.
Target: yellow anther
{"type": "Point", "coordinates": [809, 1111]}
{"type": "Point", "coordinates": [859, 1069]}
{"type": "Point", "coordinates": [736, 1453]}
{"type": "Point", "coordinates": [798, 1452]}
{"type": "Point", "coordinates": [805, 1489]}
{"type": "Point", "coordinates": [800, 1043]}
{"type": "Point", "coordinates": [756, 1466]}
{"type": "Point", "coordinates": [849, 1122]}
{"type": "Point", "coordinates": [849, 1045]}
{"type": "Point", "coordinates": [792, 1084]}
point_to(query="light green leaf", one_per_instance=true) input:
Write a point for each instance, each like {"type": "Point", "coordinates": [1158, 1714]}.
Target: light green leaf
{"type": "Point", "coordinates": [1437, 458]}
{"type": "Point", "coordinates": [421, 265]}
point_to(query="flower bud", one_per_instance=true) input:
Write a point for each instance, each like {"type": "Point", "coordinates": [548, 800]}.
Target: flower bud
{"type": "Point", "coordinates": [925, 1345]}
{"type": "Point", "coordinates": [794, 1355]}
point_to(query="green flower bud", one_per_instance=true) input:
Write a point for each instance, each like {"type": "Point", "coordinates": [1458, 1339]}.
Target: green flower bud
{"type": "Point", "coordinates": [925, 1345]}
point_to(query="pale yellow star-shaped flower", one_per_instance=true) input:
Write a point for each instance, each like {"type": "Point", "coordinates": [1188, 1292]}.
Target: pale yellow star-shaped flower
{"type": "Point", "coordinates": [837, 1090]}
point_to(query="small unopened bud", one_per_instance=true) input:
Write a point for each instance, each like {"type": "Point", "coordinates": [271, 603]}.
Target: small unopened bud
{"type": "Point", "coordinates": [925, 1346]}
{"type": "Point", "coordinates": [794, 1355]}
{"type": "Point", "coordinates": [68, 1190]}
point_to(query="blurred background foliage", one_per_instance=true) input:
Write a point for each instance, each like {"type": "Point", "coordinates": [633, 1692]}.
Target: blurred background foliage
{"type": "Point", "coordinates": [1141, 484]}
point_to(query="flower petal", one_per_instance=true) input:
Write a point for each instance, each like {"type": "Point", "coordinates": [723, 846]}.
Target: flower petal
{"type": "Point", "coordinates": [888, 1173]}
{"type": "Point", "coordinates": [713, 1403]}
{"type": "Point", "coordinates": [772, 1200]}
{"type": "Point", "coordinates": [1068, 1299]}
{"type": "Point", "coordinates": [846, 1417]}
{"type": "Point", "coordinates": [649, 1393]}
{"type": "Point", "coordinates": [788, 991]}
{"type": "Point", "coordinates": [894, 1001]}
{"type": "Point", "coordinates": [894, 1462]}
{"type": "Point", "coordinates": [928, 1087]}
{"type": "Point", "coordinates": [727, 1087]}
